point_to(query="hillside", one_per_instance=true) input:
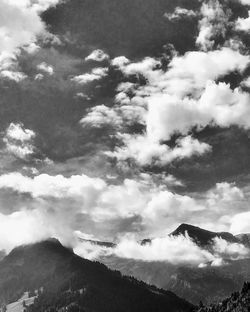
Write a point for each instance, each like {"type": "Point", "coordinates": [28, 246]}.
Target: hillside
{"type": "Point", "coordinates": [69, 280]}
{"type": "Point", "coordinates": [237, 302]}
{"type": "Point", "coordinates": [209, 283]}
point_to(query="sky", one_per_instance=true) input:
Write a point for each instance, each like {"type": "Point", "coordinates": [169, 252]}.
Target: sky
{"type": "Point", "coordinates": [123, 118]}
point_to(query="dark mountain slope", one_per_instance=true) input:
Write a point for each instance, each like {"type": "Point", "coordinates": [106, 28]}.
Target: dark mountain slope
{"type": "Point", "coordinates": [209, 284]}
{"type": "Point", "coordinates": [60, 272]}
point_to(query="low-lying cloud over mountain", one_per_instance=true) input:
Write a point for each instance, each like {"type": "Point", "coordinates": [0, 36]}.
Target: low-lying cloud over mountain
{"type": "Point", "coordinates": [187, 245]}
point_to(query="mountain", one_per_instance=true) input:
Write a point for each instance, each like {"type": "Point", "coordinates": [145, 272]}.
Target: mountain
{"type": "Point", "coordinates": [73, 282]}
{"type": "Point", "coordinates": [237, 302]}
{"type": "Point", "coordinates": [209, 284]}
{"type": "Point", "coordinates": [203, 237]}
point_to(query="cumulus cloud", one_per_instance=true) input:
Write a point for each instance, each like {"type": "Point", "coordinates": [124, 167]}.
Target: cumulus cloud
{"type": "Point", "coordinates": [27, 23]}
{"type": "Point", "coordinates": [214, 23]}
{"type": "Point", "coordinates": [19, 141]}
{"type": "Point", "coordinates": [145, 151]}
{"type": "Point", "coordinates": [45, 68]}
{"type": "Point", "coordinates": [178, 99]}
{"type": "Point", "coordinates": [97, 55]}
{"type": "Point", "coordinates": [96, 74]}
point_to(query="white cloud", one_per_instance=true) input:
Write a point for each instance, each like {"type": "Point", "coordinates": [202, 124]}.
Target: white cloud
{"type": "Point", "coordinates": [214, 22]}
{"type": "Point", "coordinates": [245, 2]}
{"type": "Point", "coordinates": [217, 105]}
{"type": "Point", "coordinates": [157, 210]}
{"type": "Point", "coordinates": [240, 223]}
{"type": "Point", "coordinates": [119, 61]}
{"type": "Point", "coordinates": [226, 193]}
{"type": "Point", "coordinates": [101, 115]}
{"type": "Point", "coordinates": [19, 141]}
{"type": "Point", "coordinates": [98, 56]}
{"type": "Point", "coordinates": [13, 75]}
{"type": "Point", "coordinates": [246, 82]}
{"type": "Point", "coordinates": [243, 24]}
{"type": "Point", "coordinates": [96, 74]}
{"type": "Point", "coordinates": [193, 70]}
{"type": "Point", "coordinates": [45, 68]}
{"type": "Point", "coordinates": [176, 101]}
{"type": "Point", "coordinates": [56, 186]}
{"type": "Point", "coordinates": [20, 22]}
{"type": "Point", "coordinates": [180, 250]}
{"type": "Point", "coordinates": [145, 151]}
{"type": "Point", "coordinates": [180, 13]}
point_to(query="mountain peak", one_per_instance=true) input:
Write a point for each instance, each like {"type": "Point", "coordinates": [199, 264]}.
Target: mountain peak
{"type": "Point", "coordinates": [202, 237]}
{"type": "Point", "coordinates": [58, 271]}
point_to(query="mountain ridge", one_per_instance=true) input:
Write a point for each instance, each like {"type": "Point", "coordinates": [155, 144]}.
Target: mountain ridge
{"type": "Point", "coordinates": [57, 269]}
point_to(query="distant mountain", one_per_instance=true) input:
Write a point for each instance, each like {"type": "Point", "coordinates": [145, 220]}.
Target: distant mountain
{"type": "Point", "coordinates": [203, 237]}
{"type": "Point", "coordinates": [237, 302]}
{"type": "Point", "coordinates": [78, 284]}
{"type": "Point", "coordinates": [210, 284]}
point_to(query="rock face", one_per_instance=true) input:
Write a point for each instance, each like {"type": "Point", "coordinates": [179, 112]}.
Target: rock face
{"type": "Point", "coordinates": [238, 302]}
{"type": "Point", "coordinates": [77, 284]}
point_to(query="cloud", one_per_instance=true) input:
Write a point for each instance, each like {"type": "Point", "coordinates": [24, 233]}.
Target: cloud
{"type": "Point", "coordinates": [240, 223]}
{"type": "Point", "coordinates": [27, 24]}
{"type": "Point", "coordinates": [96, 74]}
{"type": "Point", "coordinates": [56, 186]}
{"type": "Point", "coordinates": [218, 104]}
{"type": "Point", "coordinates": [180, 250]}
{"type": "Point", "coordinates": [21, 23]}
{"type": "Point", "coordinates": [45, 68]}
{"type": "Point", "coordinates": [180, 13]}
{"type": "Point", "coordinates": [100, 200]}
{"type": "Point", "coordinates": [97, 55]}
{"type": "Point", "coordinates": [28, 226]}
{"type": "Point", "coordinates": [175, 101]}
{"type": "Point", "coordinates": [225, 192]}
{"type": "Point", "coordinates": [13, 75]}
{"type": "Point", "coordinates": [214, 23]}
{"type": "Point", "coordinates": [155, 210]}
{"type": "Point", "coordinates": [101, 115]}
{"type": "Point", "coordinates": [245, 2]}
{"type": "Point", "coordinates": [19, 141]}
{"type": "Point", "coordinates": [243, 24]}
{"type": "Point", "coordinates": [151, 152]}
